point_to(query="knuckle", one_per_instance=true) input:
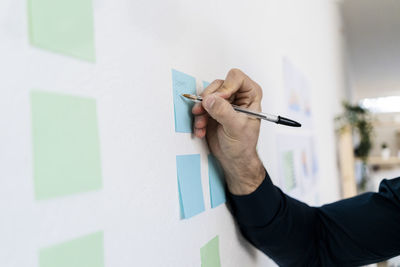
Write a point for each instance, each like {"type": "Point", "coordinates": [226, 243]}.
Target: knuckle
{"type": "Point", "coordinates": [224, 87]}
{"type": "Point", "coordinates": [218, 82]}
{"type": "Point", "coordinates": [212, 87]}
{"type": "Point", "coordinates": [259, 91]}
{"type": "Point", "coordinates": [235, 71]}
{"type": "Point", "coordinates": [206, 92]}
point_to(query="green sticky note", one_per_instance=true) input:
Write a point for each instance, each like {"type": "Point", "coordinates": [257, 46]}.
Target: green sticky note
{"type": "Point", "coordinates": [63, 26]}
{"type": "Point", "coordinates": [66, 151]}
{"type": "Point", "coordinates": [210, 254]}
{"type": "Point", "coordinates": [289, 171]}
{"type": "Point", "coordinates": [86, 251]}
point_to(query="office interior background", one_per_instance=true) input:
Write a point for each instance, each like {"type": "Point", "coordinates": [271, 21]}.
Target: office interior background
{"type": "Point", "coordinates": [372, 40]}
{"type": "Point", "coordinates": [334, 65]}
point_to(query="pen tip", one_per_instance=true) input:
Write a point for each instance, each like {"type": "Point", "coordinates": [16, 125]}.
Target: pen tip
{"type": "Point", "coordinates": [189, 96]}
{"type": "Point", "coordinates": [288, 122]}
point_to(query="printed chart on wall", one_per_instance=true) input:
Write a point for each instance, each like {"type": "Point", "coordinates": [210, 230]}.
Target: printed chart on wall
{"type": "Point", "coordinates": [298, 165]}
{"type": "Point", "coordinates": [297, 94]}
{"type": "Point", "coordinates": [297, 159]}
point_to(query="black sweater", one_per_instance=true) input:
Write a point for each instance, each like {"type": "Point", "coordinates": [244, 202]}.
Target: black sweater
{"type": "Point", "coordinates": [351, 232]}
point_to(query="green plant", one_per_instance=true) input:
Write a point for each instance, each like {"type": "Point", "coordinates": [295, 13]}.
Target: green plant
{"type": "Point", "coordinates": [359, 119]}
{"type": "Point", "coordinates": [384, 145]}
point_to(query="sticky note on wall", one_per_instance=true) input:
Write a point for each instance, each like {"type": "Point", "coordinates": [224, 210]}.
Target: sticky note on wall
{"type": "Point", "coordinates": [289, 174]}
{"type": "Point", "coordinates": [85, 251]}
{"type": "Point", "coordinates": [66, 152]}
{"type": "Point", "coordinates": [63, 26]}
{"type": "Point", "coordinates": [216, 180]}
{"type": "Point", "coordinates": [189, 185]}
{"type": "Point", "coordinates": [183, 84]}
{"type": "Point", "coordinates": [209, 254]}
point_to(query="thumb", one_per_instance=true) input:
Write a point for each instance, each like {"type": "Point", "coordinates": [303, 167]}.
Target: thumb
{"type": "Point", "coordinates": [220, 110]}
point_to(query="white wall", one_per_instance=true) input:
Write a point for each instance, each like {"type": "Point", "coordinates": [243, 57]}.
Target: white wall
{"type": "Point", "coordinates": [372, 37]}
{"type": "Point", "coordinates": [137, 44]}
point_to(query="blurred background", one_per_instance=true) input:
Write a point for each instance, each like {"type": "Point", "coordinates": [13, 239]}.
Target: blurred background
{"type": "Point", "coordinates": [371, 32]}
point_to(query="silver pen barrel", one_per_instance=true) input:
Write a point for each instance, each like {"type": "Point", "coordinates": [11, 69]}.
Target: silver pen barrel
{"type": "Point", "coordinates": [255, 114]}
{"type": "Point", "coordinates": [258, 115]}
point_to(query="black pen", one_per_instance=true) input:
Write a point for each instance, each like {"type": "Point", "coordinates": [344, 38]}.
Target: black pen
{"type": "Point", "coordinates": [259, 115]}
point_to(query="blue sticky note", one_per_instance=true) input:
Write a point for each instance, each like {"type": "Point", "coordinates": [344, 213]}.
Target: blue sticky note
{"type": "Point", "coordinates": [180, 202]}
{"type": "Point", "coordinates": [189, 184]}
{"type": "Point", "coordinates": [216, 178]}
{"type": "Point", "coordinates": [205, 84]}
{"type": "Point", "coordinates": [183, 84]}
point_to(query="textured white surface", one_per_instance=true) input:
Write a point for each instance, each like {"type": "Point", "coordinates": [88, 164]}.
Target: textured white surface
{"type": "Point", "coordinates": [137, 44]}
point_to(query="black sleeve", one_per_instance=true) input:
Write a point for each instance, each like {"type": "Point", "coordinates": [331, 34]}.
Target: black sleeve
{"type": "Point", "coordinates": [351, 232]}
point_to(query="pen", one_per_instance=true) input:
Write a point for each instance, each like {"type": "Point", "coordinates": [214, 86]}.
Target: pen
{"type": "Point", "coordinates": [259, 115]}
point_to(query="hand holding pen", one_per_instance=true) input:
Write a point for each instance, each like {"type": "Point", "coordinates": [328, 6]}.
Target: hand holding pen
{"type": "Point", "coordinates": [251, 113]}
{"type": "Point", "coordinates": [232, 136]}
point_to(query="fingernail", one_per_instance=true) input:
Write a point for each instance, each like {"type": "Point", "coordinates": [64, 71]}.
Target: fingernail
{"type": "Point", "coordinates": [195, 106]}
{"type": "Point", "coordinates": [197, 132]}
{"type": "Point", "coordinates": [209, 102]}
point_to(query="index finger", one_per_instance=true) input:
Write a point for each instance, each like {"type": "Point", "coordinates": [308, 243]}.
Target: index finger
{"type": "Point", "coordinates": [237, 82]}
{"type": "Point", "coordinates": [211, 88]}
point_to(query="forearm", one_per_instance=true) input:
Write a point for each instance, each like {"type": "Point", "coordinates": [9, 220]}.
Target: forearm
{"type": "Point", "coordinates": [281, 227]}
{"type": "Point", "coordinates": [244, 175]}
{"type": "Point", "coordinates": [351, 232]}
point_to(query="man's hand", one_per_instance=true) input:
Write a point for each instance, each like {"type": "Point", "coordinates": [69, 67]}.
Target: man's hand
{"type": "Point", "coordinates": [232, 136]}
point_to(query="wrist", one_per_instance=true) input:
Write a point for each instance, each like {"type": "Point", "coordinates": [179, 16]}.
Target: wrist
{"type": "Point", "coordinates": [245, 176]}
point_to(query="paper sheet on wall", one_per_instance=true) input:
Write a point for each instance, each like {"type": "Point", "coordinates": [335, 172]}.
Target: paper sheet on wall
{"type": "Point", "coordinates": [297, 94]}
{"type": "Point", "coordinates": [298, 165]}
